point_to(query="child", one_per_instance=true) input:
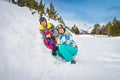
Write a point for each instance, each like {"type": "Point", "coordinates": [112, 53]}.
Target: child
{"type": "Point", "coordinates": [44, 25]}
{"type": "Point", "coordinates": [49, 41]}
{"type": "Point", "coordinates": [66, 47]}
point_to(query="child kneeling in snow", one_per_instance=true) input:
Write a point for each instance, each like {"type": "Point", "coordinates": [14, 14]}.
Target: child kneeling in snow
{"type": "Point", "coordinates": [65, 47]}
{"type": "Point", "coordinates": [49, 41]}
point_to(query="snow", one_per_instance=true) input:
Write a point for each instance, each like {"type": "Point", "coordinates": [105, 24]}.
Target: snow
{"type": "Point", "coordinates": [24, 57]}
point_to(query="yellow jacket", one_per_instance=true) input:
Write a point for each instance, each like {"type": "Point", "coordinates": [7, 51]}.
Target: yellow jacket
{"type": "Point", "coordinates": [49, 26]}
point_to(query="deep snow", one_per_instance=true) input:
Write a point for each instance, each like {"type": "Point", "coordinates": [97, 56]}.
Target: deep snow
{"type": "Point", "coordinates": [24, 57]}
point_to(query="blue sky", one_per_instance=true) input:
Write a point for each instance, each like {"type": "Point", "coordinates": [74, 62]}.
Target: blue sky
{"type": "Point", "coordinates": [91, 11]}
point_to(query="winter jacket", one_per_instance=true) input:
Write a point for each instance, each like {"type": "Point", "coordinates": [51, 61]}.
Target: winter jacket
{"type": "Point", "coordinates": [50, 42]}
{"type": "Point", "coordinates": [66, 39]}
{"type": "Point", "coordinates": [48, 27]}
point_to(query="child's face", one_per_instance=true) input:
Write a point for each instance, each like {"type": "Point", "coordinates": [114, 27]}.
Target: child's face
{"type": "Point", "coordinates": [61, 30]}
{"type": "Point", "coordinates": [44, 23]}
{"type": "Point", "coordinates": [48, 36]}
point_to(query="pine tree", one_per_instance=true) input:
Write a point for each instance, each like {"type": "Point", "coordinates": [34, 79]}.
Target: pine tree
{"type": "Point", "coordinates": [13, 1]}
{"type": "Point", "coordinates": [103, 30]}
{"type": "Point", "coordinates": [36, 5]}
{"type": "Point", "coordinates": [51, 12]}
{"type": "Point", "coordinates": [61, 20]}
{"type": "Point", "coordinates": [109, 29]}
{"type": "Point", "coordinates": [116, 26]}
{"type": "Point", "coordinates": [27, 3]}
{"type": "Point", "coordinates": [31, 4]}
{"type": "Point", "coordinates": [21, 3]}
{"type": "Point", "coordinates": [41, 8]}
{"type": "Point", "coordinates": [96, 29]}
{"type": "Point", "coordinates": [115, 20]}
{"type": "Point", "coordinates": [93, 31]}
{"type": "Point", "coordinates": [75, 29]}
{"type": "Point", "coordinates": [119, 28]}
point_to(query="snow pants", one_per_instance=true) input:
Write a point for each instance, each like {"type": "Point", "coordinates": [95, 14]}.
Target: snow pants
{"type": "Point", "coordinates": [67, 52]}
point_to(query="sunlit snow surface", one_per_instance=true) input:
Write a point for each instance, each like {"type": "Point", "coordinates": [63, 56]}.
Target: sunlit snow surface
{"type": "Point", "coordinates": [24, 57]}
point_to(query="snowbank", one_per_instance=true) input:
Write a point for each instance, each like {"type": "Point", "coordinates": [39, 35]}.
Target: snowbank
{"type": "Point", "coordinates": [24, 57]}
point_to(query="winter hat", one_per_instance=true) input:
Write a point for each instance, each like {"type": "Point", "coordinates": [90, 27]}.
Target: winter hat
{"type": "Point", "coordinates": [47, 32]}
{"type": "Point", "coordinates": [42, 19]}
{"type": "Point", "coordinates": [59, 26]}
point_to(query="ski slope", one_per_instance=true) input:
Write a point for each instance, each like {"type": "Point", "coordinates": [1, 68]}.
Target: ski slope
{"type": "Point", "coordinates": [24, 57]}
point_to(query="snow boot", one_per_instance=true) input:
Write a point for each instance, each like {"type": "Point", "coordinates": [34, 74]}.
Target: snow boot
{"type": "Point", "coordinates": [73, 62]}
{"type": "Point", "coordinates": [54, 51]}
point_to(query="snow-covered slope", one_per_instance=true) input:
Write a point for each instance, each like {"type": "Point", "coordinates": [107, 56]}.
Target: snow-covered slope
{"type": "Point", "coordinates": [24, 57]}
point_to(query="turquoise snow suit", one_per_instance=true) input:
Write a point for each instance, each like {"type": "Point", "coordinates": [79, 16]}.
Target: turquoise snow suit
{"type": "Point", "coordinates": [67, 48]}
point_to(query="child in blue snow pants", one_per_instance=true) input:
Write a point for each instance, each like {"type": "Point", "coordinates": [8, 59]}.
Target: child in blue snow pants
{"type": "Point", "coordinates": [65, 47]}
